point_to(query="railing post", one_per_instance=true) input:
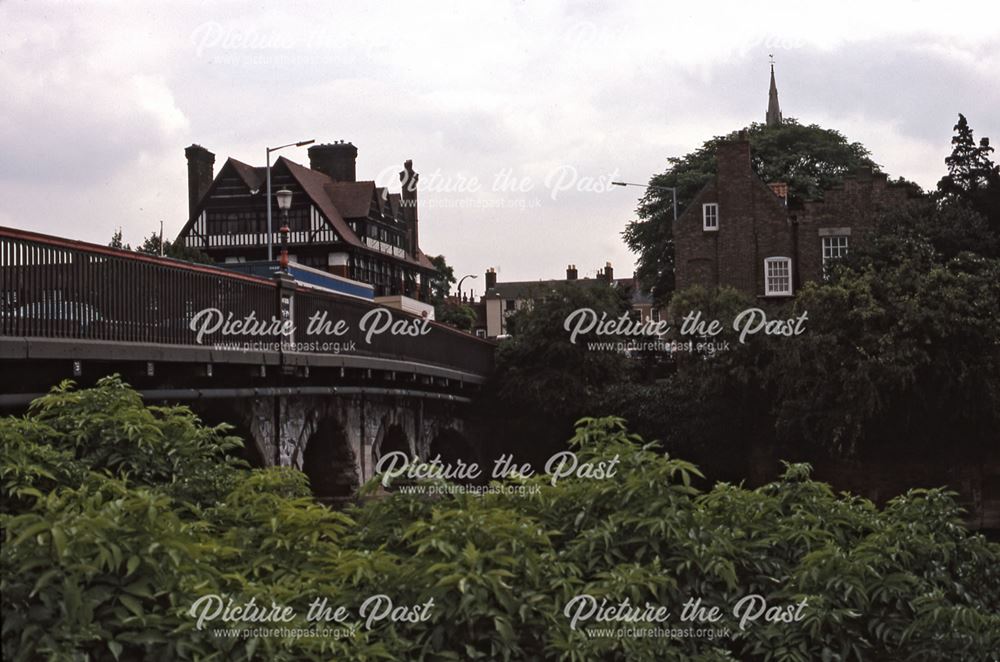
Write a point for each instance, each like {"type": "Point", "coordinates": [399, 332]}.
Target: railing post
{"type": "Point", "coordinates": [285, 304]}
{"type": "Point", "coordinates": [285, 308]}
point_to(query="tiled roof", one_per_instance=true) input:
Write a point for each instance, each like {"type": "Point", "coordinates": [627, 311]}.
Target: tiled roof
{"type": "Point", "coordinates": [253, 177]}
{"type": "Point", "coordinates": [424, 261]}
{"type": "Point", "coordinates": [352, 199]}
{"type": "Point", "coordinates": [313, 183]}
{"type": "Point", "coordinates": [326, 193]}
{"type": "Point", "coordinates": [394, 203]}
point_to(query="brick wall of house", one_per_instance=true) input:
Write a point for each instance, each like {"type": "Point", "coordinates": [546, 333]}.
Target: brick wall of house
{"type": "Point", "coordinates": [850, 209]}
{"type": "Point", "coordinates": [755, 224]}
{"type": "Point", "coordinates": [696, 251]}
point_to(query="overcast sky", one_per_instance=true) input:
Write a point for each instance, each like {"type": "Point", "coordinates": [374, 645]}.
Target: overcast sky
{"type": "Point", "coordinates": [517, 115]}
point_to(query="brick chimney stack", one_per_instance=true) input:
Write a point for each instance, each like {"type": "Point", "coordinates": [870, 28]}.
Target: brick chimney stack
{"type": "Point", "coordinates": [733, 158]}
{"type": "Point", "coordinates": [609, 272]}
{"type": "Point", "coordinates": [571, 272]}
{"type": "Point", "coordinates": [491, 279]}
{"type": "Point", "coordinates": [408, 180]}
{"type": "Point", "coordinates": [200, 174]}
{"type": "Point", "coordinates": [338, 160]}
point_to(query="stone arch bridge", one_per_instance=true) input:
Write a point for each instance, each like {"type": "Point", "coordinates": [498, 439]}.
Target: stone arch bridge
{"type": "Point", "coordinates": [330, 406]}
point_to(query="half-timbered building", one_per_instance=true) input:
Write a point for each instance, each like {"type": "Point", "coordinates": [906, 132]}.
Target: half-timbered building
{"type": "Point", "coordinates": [352, 229]}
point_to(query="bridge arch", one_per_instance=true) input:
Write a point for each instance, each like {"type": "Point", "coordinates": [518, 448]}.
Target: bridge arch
{"type": "Point", "coordinates": [329, 461]}
{"type": "Point", "coordinates": [391, 437]}
{"type": "Point", "coordinates": [229, 412]}
{"type": "Point", "coordinates": [454, 447]}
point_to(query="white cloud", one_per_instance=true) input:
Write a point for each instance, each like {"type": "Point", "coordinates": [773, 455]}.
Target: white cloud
{"type": "Point", "coordinates": [101, 99]}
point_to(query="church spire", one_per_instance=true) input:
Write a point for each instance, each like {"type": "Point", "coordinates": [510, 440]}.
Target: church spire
{"type": "Point", "coordinates": [773, 110]}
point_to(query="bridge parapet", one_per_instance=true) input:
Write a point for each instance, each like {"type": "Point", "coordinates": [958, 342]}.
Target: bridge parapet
{"type": "Point", "coordinates": [61, 290]}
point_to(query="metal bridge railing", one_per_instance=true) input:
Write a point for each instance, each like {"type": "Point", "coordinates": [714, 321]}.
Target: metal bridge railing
{"type": "Point", "coordinates": [57, 288]}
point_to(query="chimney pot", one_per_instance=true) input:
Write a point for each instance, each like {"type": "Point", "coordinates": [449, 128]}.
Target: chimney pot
{"type": "Point", "coordinates": [336, 160]}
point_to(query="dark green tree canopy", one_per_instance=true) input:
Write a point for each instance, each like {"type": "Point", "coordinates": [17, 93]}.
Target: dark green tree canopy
{"type": "Point", "coordinates": [176, 250]}
{"type": "Point", "coordinates": [442, 281]}
{"type": "Point", "coordinates": [458, 315]}
{"type": "Point", "coordinates": [973, 179]}
{"type": "Point", "coordinates": [118, 242]}
{"type": "Point", "coordinates": [970, 167]}
{"type": "Point", "coordinates": [117, 516]}
{"type": "Point", "coordinates": [151, 246]}
{"type": "Point", "coordinates": [539, 366]}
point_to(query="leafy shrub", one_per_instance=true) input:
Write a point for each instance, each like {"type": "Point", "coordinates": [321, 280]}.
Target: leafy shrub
{"type": "Point", "coordinates": [107, 543]}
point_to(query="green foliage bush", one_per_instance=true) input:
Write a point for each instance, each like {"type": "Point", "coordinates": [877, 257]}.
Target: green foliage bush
{"type": "Point", "coordinates": [118, 516]}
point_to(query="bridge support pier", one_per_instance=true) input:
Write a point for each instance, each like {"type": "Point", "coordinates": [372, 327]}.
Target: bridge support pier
{"type": "Point", "coordinates": [338, 440]}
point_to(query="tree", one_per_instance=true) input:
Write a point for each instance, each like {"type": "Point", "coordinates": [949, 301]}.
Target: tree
{"type": "Point", "coordinates": [441, 281]}
{"type": "Point", "coordinates": [116, 241]}
{"type": "Point", "coordinates": [540, 367]}
{"type": "Point", "coordinates": [903, 348]}
{"type": "Point", "coordinates": [951, 226]}
{"type": "Point", "coordinates": [973, 178]}
{"type": "Point", "coordinates": [175, 250]}
{"type": "Point", "coordinates": [970, 168]}
{"type": "Point", "coordinates": [151, 246]}
{"type": "Point", "coordinates": [809, 159]}
{"type": "Point", "coordinates": [457, 315]}
{"type": "Point", "coordinates": [119, 516]}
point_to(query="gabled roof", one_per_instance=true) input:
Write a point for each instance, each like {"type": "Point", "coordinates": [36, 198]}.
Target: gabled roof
{"type": "Point", "coordinates": [313, 184]}
{"type": "Point", "coordinates": [352, 199]}
{"type": "Point", "coordinates": [319, 188]}
{"type": "Point", "coordinates": [253, 177]}
{"type": "Point", "coordinates": [424, 261]}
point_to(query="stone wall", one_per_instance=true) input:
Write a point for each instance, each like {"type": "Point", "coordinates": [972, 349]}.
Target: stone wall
{"type": "Point", "coordinates": [359, 423]}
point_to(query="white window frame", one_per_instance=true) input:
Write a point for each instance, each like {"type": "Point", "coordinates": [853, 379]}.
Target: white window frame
{"type": "Point", "coordinates": [714, 216]}
{"type": "Point", "coordinates": [768, 290]}
{"type": "Point", "coordinates": [842, 248]}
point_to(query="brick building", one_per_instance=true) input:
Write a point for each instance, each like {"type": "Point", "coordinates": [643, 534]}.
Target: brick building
{"type": "Point", "coordinates": [740, 232]}
{"type": "Point", "coordinates": [503, 299]}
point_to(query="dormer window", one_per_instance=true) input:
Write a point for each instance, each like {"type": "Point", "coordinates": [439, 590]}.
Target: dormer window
{"type": "Point", "coordinates": [710, 216]}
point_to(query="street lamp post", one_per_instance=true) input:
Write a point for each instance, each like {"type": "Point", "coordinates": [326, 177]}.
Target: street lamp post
{"type": "Point", "coordinates": [270, 242]}
{"type": "Point", "coordinates": [460, 281]}
{"type": "Point", "coordinates": [672, 189]}
{"type": "Point", "coordinates": [284, 197]}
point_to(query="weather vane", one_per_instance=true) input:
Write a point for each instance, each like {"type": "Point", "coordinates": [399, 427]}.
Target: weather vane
{"type": "Point", "coordinates": [771, 56]}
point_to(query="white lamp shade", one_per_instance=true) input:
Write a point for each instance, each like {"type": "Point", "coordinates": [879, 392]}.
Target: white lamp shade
{"type": "Point", "coordinates": [284, 197]}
